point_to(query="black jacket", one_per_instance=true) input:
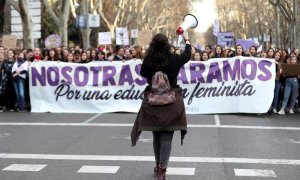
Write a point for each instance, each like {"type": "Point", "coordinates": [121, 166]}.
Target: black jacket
{"type": "Point", "coordinates": [172, 70]}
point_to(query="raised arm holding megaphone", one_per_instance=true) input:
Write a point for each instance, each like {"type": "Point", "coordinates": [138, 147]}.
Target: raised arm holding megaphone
{"type": "Point", "coordinates": [189, 22]}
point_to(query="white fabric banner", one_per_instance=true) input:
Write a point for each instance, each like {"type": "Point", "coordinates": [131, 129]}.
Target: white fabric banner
{"type": "Point", "coordinates": [229, 85]}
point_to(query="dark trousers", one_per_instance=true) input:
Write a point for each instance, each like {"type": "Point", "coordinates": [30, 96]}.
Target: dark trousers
{"type": "Point", "coordinates": [162, 145]}
{"type": "Point", "coordinates": [10, 96]}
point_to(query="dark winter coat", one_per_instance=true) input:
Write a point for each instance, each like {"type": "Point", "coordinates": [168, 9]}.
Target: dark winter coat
{"type": "Point", "coordinates": [6, 75]}
{"type": "Point", "coordinates": [170, 117]}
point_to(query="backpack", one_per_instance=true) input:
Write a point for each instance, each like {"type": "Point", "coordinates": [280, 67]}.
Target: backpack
{"type": "Point", "coordinates": [161, 93]}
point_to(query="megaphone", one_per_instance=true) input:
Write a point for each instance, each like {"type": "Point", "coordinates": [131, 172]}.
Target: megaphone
{"type": "Point", "coordinates": [189, 22]}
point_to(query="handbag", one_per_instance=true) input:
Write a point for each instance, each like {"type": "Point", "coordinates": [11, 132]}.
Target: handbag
{"type": "Point", "coordinates": [161, 93]}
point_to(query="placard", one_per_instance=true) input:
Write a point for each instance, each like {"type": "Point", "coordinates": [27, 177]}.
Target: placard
{"type": "Point", "coordinates": [291, 69]}
{"type": "Point", "coordinates": [53, 41]}
{"type": "Point", "coordinates": [9, 41]}
{"type": "Point", "coordinates": [104, 38]}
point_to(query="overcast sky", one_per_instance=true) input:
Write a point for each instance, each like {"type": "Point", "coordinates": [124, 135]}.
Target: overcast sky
{"type": "Point", "coordinates": [205, 11]}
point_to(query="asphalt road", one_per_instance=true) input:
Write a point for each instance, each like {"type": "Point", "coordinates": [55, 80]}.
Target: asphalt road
{"type": "Point", "coordinates": [97, 146]}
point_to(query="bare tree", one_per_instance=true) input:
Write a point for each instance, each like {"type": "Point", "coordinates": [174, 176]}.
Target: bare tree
{"type": "Point", "coordinates": [2, 4]}
{"type": "Point", "coordinates": [255, 18]}
{"type": "Point", "coordinates": [60, 17]}
{"type": "Point", "coordinates": [22, 7]}
{"type": "Point", "coordinates": [289, 12]}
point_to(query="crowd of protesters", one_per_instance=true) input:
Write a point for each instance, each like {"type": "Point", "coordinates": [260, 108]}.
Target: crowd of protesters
{"type": "Point", "coordinates": [14, 84]}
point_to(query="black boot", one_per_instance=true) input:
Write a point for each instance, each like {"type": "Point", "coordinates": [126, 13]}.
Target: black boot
{"type": "Point", "coordinates": [156, 169]}
{"type": "Point", "coordinates": [162, 173]}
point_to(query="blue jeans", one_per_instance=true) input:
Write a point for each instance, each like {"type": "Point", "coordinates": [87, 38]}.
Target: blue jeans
{"type": "Point", "coordinates": [19, 88]}
{"type": "Point", "coordinates": [276, 94]}
{"type": "Point", "coordinates": [291, 87]}
{"type": "Point", "coordinates": [162, 145]}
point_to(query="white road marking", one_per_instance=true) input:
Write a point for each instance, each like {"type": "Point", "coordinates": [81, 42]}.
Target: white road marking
{"type": "Point", "coordinates": [217, 120]}
{"type": "Point", "coordinates": [92, 118]}
{"type": "Point", "coordinates": [99, 169]}
{"type": "Point", "coordinates": [149, 158]}
{"type": "Point", "coordinates": [287, 140]}
{"type": "Point", "coordinates": [254, 173]}
{"type": "Point", "coordinates": [25, 167]}
{"type": "Point", "coordinates": [141, 139]}
{"type": "Point", "coordinates": [130, 125]}
{"type": "Point", "coordinates": [181, 171]}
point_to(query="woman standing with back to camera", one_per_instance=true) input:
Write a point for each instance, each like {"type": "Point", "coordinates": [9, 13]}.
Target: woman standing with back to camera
{"type": "Point", "coordinates": [162, 120]}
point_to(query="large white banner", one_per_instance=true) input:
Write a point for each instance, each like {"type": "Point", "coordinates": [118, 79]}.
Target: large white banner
{"type": "Point", "coordinates": [233, 85]}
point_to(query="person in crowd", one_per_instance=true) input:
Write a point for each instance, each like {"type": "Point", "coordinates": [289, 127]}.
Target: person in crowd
{"type": "Point", "coordinates": [45, 54]}
{"type": "Point", "coordinates": [127, 54]}
{"type": "Point", "coordinates": [64, 56]}
{"type": "Point", "coordinates": [119, 53]}
{"type": "Point", "coordinates": [137, 52]}
{"type": "Point", "coordinates": [177, 51]}
{"type": "Point", "coordinates": [53, 56]}
{"type": "Point", "coordinates": [110, 58]}
{"type": "Point", "coordinates": [297, 54]}
{"type": "Point", "coordinates": [239, 51]}
{"type": "Point", "coordinates": [204, 56]}
{"type": "Point", "coordinates": [172, 49]}
{"type": "Point", "coordinates": [197, 56]}
{"type": "Point", "coordinates": [194, 50]}
{"type": "Point", "coordinates": [263, 54]}
{"type": "Point", "coordinates": [270, 53]}
{"type": "Point", "coordinates": [110, 52]}
{"type": "Point", "coordinates": [19, 72]}
{"type": "Point", "coordinates": [63, 47]}
{"type": "Point", "coordinates": [291, 88]}
{"type": "Point", "coordinates": [77, 47]}
{"type": "Point", "coordinates": [165, 119]}
{"type": "Point", "coordinates": [16, 54]}
{"type": "Point", "coordinates": [84, 57]}
{"type": "Point", "coordinates": [77, 56]}
{"type": "Point", "coordinates": [253, 51]}
{"type": "Point", "coordinates": [2, 82]}
{"type": "Point", "coordinates": [2, 49]}
{"type": "Point", "coordinates": [9, 92]}
{"type": "Point", "coordinates": [101, 56]}
{"type": "Point", "coordinates": [284, 56]}
{"type": "Point", "coordinates": [231, 53]}
{"type": "Point", "coordinates": [226, 52]}
{"type": "Point", "coordinates": [218, 53]}
{"type": "Point", "coordinates": [37, 54]}
{"type": "Point", "coordinates": [59, 53]}
{"type": "Point", "coordinates": [88, 53]}
{"type": "Point", "coordinates": [70, 58]}
{"type": "Point", "coordinates": [29, 57]}
{"type": "Point", "coordinates": [93, 56]}
{"type": "Point", "coordinates": [275, 103]}
{"type": "Point", "coordinates": [207, 49]}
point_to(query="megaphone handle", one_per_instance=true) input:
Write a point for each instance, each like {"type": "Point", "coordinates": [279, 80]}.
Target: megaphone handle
{"type": "Point", "coordinates": [180, 38]}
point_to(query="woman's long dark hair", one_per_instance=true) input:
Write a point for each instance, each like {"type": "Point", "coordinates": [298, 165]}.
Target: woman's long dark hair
{"type": "Point", "coordinates": [157, 55]}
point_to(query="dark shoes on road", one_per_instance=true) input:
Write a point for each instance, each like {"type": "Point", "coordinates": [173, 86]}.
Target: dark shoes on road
{"type": "Point", "coordinates": [160, 172]}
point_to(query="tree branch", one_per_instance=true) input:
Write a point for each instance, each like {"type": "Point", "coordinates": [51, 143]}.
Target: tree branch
{"type": "Point", "coordinates": [15, 5]}
{"type": "Point", "coordinates": [51, 13]}
{"type": "Point", "coordinates": [284, 13]}
{"type": "Point", "coordinates": [102, 15]}
{"type": "Point", "coordinates": [96, 5]}
{"type": "Point", "coordinates": [73, 8]}
{"type": "Point", "coordinates": [66, 11]}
